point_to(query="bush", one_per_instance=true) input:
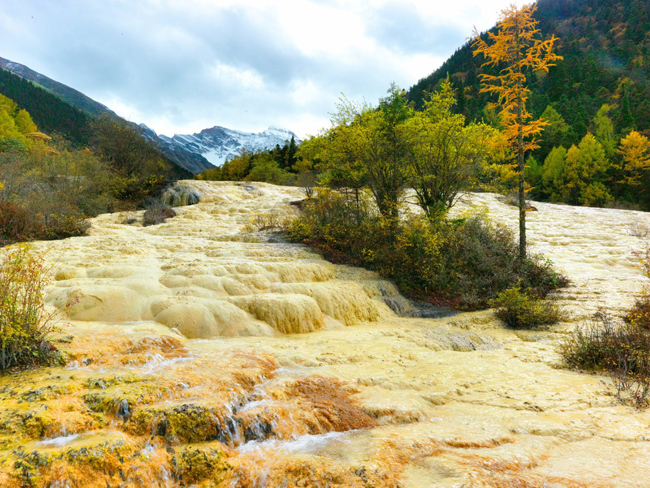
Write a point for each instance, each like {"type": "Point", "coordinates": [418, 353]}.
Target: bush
{"type": "Point", "coordinates": [24, 324]}
{"type": "Point", "coordinates": [620, 349]}
{"type": "Point", "coordinates": [17, 224]}
{"type": "Point", "coordinates": [14, 221]}
{"type": "Point", "coordinates": [48, 193]}
{"type": "Point", "coordinates": [639, 315]}
{"type": "Point", "coordinates": [525, 310]}
{"type": "Point", "coordinates": [157, 213]}
{"type": "Point", "coordinates": [462, 263]}
{"type": "Point", "coordinates": [480, 259]}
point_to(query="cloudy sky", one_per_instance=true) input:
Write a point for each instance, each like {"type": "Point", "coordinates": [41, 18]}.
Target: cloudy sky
{"type": "Point", "coordinates": [181, 66]}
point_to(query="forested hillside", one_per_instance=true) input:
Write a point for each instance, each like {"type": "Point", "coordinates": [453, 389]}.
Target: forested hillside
{"type": "Point", "coordinates": [606, 50]}
{"type": "Point", "coordinates": [50, 113]}
{"type": "Point", "coordinates": [601, 87]}
{"type": "Point", "coordinates": [59, 109]}
{"type": "Point", "coordinates": [70, 95]}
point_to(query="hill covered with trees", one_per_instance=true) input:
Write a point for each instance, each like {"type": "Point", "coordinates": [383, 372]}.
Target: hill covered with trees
{"type": "Point", "coordinates": [59, 109]}
{"type": "Point", "coordinates": [593, 99]}
{"type": "Point", "coordinates": [50, 112]}
{"type": "Point", "coordinates": [50, 185]}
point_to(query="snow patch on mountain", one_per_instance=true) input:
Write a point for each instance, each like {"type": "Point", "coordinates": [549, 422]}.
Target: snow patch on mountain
{"type": "Point", "coordinates": [219, 144]}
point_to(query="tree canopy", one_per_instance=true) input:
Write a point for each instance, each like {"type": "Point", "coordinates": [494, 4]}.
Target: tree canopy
{"type": "Point", "coordinates": [514, 49]}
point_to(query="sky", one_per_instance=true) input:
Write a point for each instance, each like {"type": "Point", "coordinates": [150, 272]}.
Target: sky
{"type": "Point", "coordinates": [181, 66]}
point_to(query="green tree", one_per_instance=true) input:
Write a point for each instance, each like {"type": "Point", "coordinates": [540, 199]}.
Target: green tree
{"type": "Point", "coordinates": [553, 174]}
{"type": "Point", "coordinates": [515, 49]}
{"type": "Point", "coordinates": [444, 155]}
{"type": "Point", "coordinates": [15, 124]}
{"type": "Point", "coordinates": [534, 171]}
{"type": "Point", "coordinates": [292, 151]}
{"type": "Point", "coordinates": [24, 122]}
{"type": "Point", "coordinates": [635, 162]}
{"type": "Point", "coordinates": [555, 133]}
{"type": "Point", "coordinates": [605, 130]}
{"type": "Point", "coordinates": [625, 118]}
{"type": "Point", "coordinates": [584, 171]}
{"type": "Point", "coordinates": [265, 168]}
{"type": "Point", "coordinates": [367, 144]}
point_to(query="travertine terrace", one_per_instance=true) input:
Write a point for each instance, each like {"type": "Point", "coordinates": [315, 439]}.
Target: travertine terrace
{"type": "Point", "coordinates": [203, 352]}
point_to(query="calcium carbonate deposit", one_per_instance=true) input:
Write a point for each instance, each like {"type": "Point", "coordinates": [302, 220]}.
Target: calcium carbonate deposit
{"type": "Point", "coordinates": [204, 352]}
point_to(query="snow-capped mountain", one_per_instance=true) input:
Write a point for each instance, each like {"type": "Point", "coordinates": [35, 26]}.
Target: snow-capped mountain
{"type": "Point", "coordinates": [194, 153]}
{"type": "Point", "coordinates": [219, 144]}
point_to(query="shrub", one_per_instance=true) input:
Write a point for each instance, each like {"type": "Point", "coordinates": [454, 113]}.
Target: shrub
{"type": "Point", "coordinates": [48, 193]}
{"type": "Point", "coordinates": [480, 259]}
{"type": "Point", "coordinates": [462, 263]}
{"type": "Point", "coordinates": [13, 222]}
{"type": "Point", "coordinates": [157, 213]}
{"type": "Point", "coordinates": [525, 310]}
{"type": "Point", "coordinates": [622, 350]}
{"type": "Point", "coordinates": [129, 218]}
{"type": "Point", "coordinates": [24, 324]}
{"type": "Point", "coordinates": [264, 221]}
{"type": "Point", "coordinates": [638, 229]}
{"type": "Point", "coordinates": [639, 315]}
{"type": "Point", "coordinates": [19, 224]}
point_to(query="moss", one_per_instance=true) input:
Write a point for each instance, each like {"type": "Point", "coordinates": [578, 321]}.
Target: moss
{"type": "Point", "coordinates": [45, 393]}
{"type": "Point", "coordinates": [184, 423]}
{"type": "Point", "coordinates": [200, 463]}
{"type": "Point", "coordinates": [35, 424]}
{"type": "Point", "coordinates": [121, 400]}
{"type": "Point", "coordinates": [108, 381]}
{"type": "Point", "coordinates": [7, 442]}
{"type": "Point", "coordinates": [89, 457]}
{"type": "Point", "coordinates": [100, 456]}
{"type": "Point", "coordinates": [28, 467]}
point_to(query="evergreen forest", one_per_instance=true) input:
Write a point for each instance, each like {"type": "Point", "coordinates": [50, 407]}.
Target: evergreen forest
{"type": "Point", "coordinates": [596, 101]}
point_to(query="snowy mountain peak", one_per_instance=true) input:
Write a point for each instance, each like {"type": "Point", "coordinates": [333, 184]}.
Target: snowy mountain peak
{"type": "Point", "coordinates": [218, 144]}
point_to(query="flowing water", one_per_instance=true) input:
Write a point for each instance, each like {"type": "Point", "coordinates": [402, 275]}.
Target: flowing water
{"type": "Point", "coordinates": [203, 352]}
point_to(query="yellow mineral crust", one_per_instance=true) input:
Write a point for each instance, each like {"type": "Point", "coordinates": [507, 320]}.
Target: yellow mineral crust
{"type": "Point", "coordinates": [207, 352]}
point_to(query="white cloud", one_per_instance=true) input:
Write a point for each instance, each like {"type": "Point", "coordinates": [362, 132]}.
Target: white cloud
{"type": "Point", "coordinates": [241, 78]}
{"type": "Point", "coordinates": [184, 65]}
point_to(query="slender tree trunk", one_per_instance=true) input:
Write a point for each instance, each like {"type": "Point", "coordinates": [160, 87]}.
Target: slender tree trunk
{"type": "Point", "coordinates": [522, 194]}
{"type": "Point", "coordinates": [520, 155]}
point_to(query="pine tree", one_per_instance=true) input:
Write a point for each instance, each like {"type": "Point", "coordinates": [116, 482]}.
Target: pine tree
{"type": "Point", "coordinates": [516, 48]}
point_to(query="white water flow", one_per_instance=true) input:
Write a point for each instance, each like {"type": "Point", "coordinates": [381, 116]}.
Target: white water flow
{"type": "Point", "coordinates": [205, 352]}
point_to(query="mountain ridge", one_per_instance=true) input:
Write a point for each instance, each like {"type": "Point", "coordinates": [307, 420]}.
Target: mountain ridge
{"type": "Point", "coordinates": [217, 144]}
{"type": "Point", "coordinates": [606, 50]}
{"type": "Point", "coordinates": [68, 94]}
{"type": "Point", "coordinates": [192, 152]}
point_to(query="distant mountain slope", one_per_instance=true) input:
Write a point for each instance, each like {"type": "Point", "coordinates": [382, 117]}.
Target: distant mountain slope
{"type": "Point", "coordinates": [606, 49]}
{"type": "Point", "coordinates": [219, 143]}
{"type": "Point", "coordinates": [70, 95]}
{"type": "Point", "coordinates": [56, 107]}
{"type": "Point", "coordinates": [50, 113]}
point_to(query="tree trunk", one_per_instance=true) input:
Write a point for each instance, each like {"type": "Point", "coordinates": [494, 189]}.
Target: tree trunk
{"type": "Point", "coordinates": [522, 200]}
{"type": "Point", "coordinates": [520, 155]}
{"type": "Point", "coordinates": [522, 193]}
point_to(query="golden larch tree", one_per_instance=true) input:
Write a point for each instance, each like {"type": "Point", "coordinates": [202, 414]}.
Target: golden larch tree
{"type": "Point", "coordinates": [635, 159]}
{"type": "Point", "coordinates": [515, 50]}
